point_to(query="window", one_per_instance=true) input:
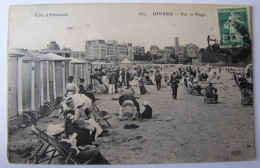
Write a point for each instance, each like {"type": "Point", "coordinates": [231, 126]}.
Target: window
{"type": "Point", "coordinates": [67, 55]}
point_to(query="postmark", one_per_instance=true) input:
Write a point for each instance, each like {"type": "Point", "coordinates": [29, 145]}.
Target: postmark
{"type": "Point", "coordinates": [234, 27]}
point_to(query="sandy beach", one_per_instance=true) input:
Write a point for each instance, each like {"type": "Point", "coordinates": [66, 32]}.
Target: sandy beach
{"type": "Point", "coordinates": [180, 131]}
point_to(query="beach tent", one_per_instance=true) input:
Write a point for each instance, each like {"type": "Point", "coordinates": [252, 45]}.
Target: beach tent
{"type": "Point", "coordinates": [208, 67]}
{"type": "Point", "coordinates": [57, 75]}
{"type": "Point", "coordinates": [25, 81]}
{"type": "Point", "coordinates": [34, 79]}
{"type": "Point", "coordinates": [14, 63]}
{"type": "Point", "coordinates": [126, 63]}
{"type": "Point", "coordinates": [79, 69]}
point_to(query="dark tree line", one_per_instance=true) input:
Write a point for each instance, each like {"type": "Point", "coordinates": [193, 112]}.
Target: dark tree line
{"type": "Point", "coordinates": [233, 55]}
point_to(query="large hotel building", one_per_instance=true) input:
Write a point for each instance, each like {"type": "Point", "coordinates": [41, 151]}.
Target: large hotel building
{"type": "Point", "coordinates": [108, 50]}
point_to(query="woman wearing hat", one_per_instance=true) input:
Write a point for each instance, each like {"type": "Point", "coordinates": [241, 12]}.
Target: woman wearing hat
{"type": "Point", "coordinates": [142, 87]}
{"type": "Point", "coordinates": [125, 100]}
{"type": "Point", "coordinates": [72, 129]}
{"type": "Point", "coordinates": [71, 87]}
{"type": "Point", "coordinates": [77, 136]}
{"type": "Point", "coordinates": [82, 84]}
{"type": "Point", "coordinates": [85, 119]}
{"type": "Point", "coordinates": [147, 114]}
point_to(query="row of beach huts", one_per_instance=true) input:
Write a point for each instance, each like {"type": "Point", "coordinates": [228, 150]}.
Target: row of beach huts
{"type": "Point", "coordinates": [35, 79]}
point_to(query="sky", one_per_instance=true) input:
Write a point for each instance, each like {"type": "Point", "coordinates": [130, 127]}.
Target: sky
{"type": "Point", "coordinates": [31, 28]}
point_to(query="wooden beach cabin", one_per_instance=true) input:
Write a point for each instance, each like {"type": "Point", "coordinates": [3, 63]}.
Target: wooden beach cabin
{"type": "Point", "coordinates": [25, 81]}
{"type": "Point", "coordinates": [57, 74]}
{"type": "Point", "coordinates": [80, 69]}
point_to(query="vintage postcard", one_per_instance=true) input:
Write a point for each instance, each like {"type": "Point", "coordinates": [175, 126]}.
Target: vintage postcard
{"type": "Point", "coordinates": [130, 84]}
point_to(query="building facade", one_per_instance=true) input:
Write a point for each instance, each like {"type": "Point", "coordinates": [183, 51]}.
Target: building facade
{"type": "Point", "coordinates": [160, 53]}
{"type": "Point", "coordinates": [154, 49]}
{"type": "Point", "coordinates": [139, 50]}
{"type": "Point", "coordinates": [111, 50]}
{"type": "Point", "coordinates": [53, 47]}
{"type": "Point", "coordinates": [108, 50]}
{"type": "Point", "coordinates": [192, 50]}
{"type": "Point", "coordinates": [122, 50]}
{"type": "Point", "coordinates": [168, 51]}
{"type": "Point", "coordinates": [96, 50]}
{"type": "Point", "coordinates": [130, 51]}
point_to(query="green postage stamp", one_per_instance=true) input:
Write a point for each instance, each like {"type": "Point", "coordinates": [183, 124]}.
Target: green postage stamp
{"type": "Point", "coordinates": [234, 27]}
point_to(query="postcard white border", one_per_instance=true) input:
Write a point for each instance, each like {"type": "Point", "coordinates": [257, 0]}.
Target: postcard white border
{"type": "Point", "coordinates": [255, 4]}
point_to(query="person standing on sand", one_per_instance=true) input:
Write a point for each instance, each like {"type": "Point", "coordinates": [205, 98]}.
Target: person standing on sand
{"type": "Point", "coordinates": [116, 79]}
{"type": "Point", "coordinates": [158, 79]}
{"type": "Point", "coordinates": [166, 78]}
{"type": "Point", "coordinates": [141, 86]}
{"type": "Point", "coordinates": [174, 86]}
{"type": "Point", "coordinates": [127, 78]}
{"type": "Point", "coordinates": [123, 77]}
{"type": "Point", "coordinates": [112, 82]}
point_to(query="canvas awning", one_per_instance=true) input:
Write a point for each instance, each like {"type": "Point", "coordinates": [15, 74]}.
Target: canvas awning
{"type": "Point", "coordinates": [126, 61]}
{"type": "Point", "coordinates": [56, 57]}
{"type": "Point", "coordinates": [28, 55]}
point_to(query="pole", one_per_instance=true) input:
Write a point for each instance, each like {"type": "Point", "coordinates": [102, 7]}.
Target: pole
{"type": "Point", "coordinates": [54, 80]}
{"type": "Point", "coordinates": [42, 83]}
{"type": "Point", "coordinates": [63, 78]}
{"type": "Point", "coordinates": [48, 81]}
{"type": "Point", "coordinates": [33, 87]}
{"type": "Point", "coordinates": [20, 87]}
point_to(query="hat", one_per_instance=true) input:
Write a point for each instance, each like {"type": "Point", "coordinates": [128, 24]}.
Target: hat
{"type": "Point", "coordinates": [81, 79]}
{"type": "Point", "coordinates": [146, 103]}
{"type": "Point", "coordinates": [80, 105]}
{"type": "Point", "coordinates": [70, 77]}
{"type": "Point", "coordinates": [68, 100]}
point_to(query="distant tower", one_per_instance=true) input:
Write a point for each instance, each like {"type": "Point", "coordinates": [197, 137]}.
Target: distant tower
{"type": "Point", "coordinates": [176, 45]}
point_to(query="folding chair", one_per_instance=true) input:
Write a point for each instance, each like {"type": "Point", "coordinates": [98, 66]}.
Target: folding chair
{"type": "Point", "coordinates": [44, 138]}
{"type": "Point", "coordinates": [65, 153]}
{"type": "Point", "coordinates": [99, 116]}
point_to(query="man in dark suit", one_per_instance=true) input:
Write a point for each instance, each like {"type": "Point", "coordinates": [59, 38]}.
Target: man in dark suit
{"type": "Point", "coordinates": [123, 77]}
{"type": "Point", "coordinates": [127, 78]}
